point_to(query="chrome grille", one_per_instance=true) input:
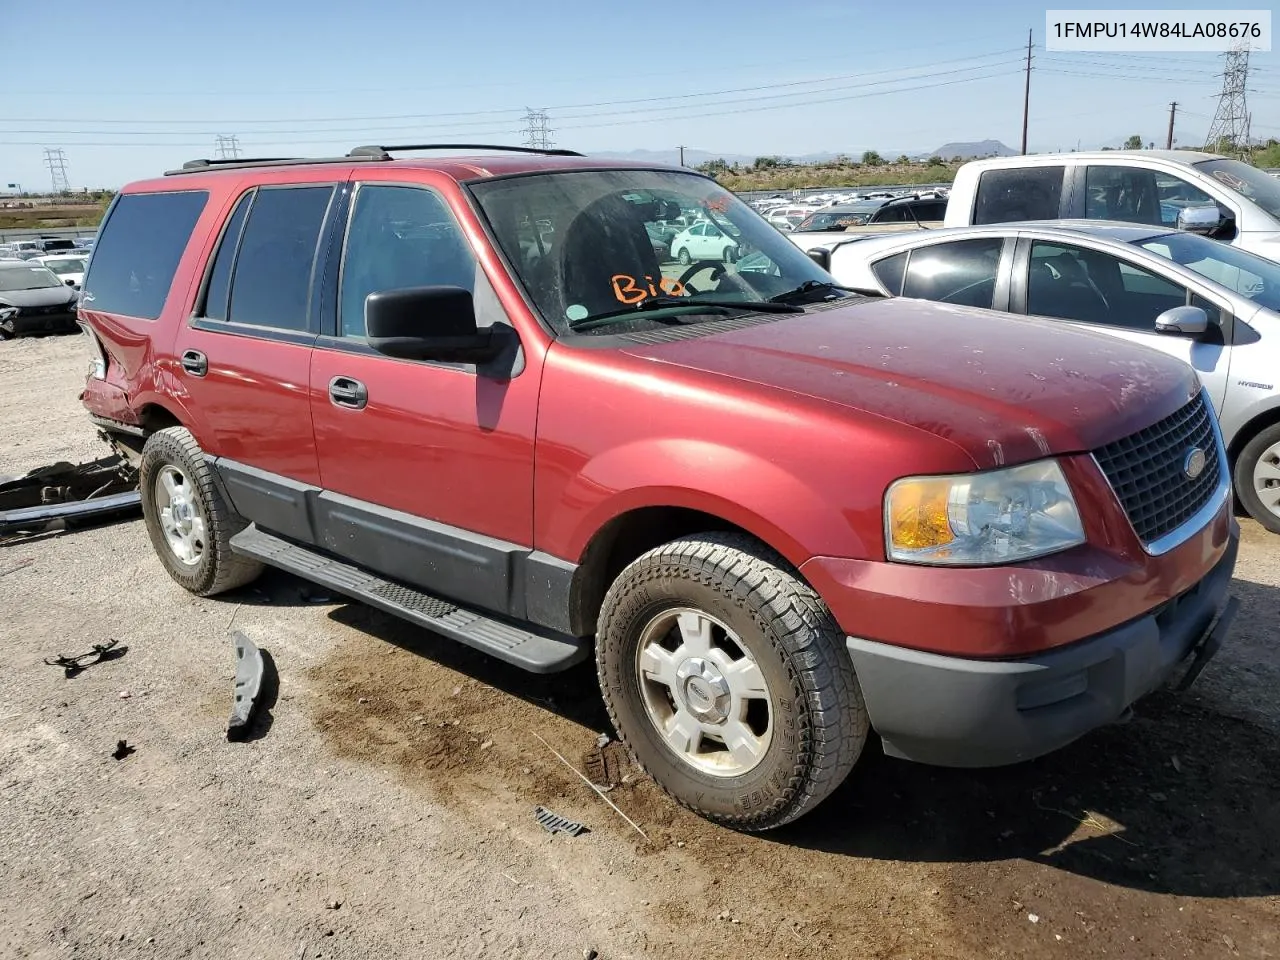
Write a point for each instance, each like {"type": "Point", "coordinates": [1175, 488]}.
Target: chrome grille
{"type": "Point", "coordinates": [1146, 470]}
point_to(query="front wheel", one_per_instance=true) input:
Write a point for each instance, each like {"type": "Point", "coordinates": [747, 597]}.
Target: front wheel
{"type": "Point", "coordinates": [684, 257]}
{"type": "Point", "coordinates": [727, 677]}
{"type": "Point", "coordinates": [1257, 477]}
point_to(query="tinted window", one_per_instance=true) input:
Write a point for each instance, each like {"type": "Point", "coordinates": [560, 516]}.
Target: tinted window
{"type": "Point", "coordinates": [399, 237]}
{"type": "Point", "coordinates": [1121, 193]}
{"type": "Point", "coordinates": [141, 244]}
{"type": "Point", "coordinates": [1029, 193]}
{"type": "Point", "coordinates": [1175, 194]}
{"type": "Point", "coordinates": [962, 272]}
{"type": "Point", "coordinates": [1075, 283]}
{"type": "Point", "coordinates": [889, 272]}
{"type": "Point", "coordinates": [215, 299]}
{"type": "Point", "coordinates": [273, 269]}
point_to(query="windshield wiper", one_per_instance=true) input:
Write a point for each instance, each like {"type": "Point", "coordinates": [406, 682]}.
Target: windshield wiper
{"type": "Point", "coordinates": [809, 286]}
{"type": "Point", "coordinates": [663, 303]}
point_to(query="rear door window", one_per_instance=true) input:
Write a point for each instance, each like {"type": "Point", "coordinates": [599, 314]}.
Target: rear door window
{"type": "Point", "coordinates": [962, 272]}
{"type": "Point", "coordinates": [271, 284]}
{"type": "Point", "coordinates": [219, 289]}
{"type": "Point", "coordinates": [137, 256]}
{"type": "Point", "coordinates": [1026, 193]}
{"type": "Point", "coordinates": [889, 271]}
{"type": "Point", "coordinates": [1128, 194]}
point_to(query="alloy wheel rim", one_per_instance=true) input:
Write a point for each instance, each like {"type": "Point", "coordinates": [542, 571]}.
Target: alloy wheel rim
{"type": "Point", "coordinates": [181, 520]}
{"type": "Point", "coordinates": [704, 693]}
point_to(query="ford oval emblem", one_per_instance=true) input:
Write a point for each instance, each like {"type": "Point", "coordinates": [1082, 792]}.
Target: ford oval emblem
{"type": "Point", "coordinates": [1193, 464]}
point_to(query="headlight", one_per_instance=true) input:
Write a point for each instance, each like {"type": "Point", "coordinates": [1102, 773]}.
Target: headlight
{"type": "Point", "coordinates": [7, 311]}
{"type": "Point", "coordinates": [977, 519]}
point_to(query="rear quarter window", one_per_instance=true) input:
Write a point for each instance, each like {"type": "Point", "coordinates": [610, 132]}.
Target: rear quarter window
{"type": "Point", "coordinates": [138, 251]}
{"type": "Point", "coordinates": [1027, 193]}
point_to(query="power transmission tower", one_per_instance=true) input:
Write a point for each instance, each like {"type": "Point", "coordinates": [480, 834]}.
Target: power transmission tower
{"type": "Point", "coordinates": [228, 147]}
{"type": "Point", "coordinates": [1229, 132]}
{"type": "Point", "coordinates": [56, 161]}
{"type": "Point", "coordinates": [536, 132]}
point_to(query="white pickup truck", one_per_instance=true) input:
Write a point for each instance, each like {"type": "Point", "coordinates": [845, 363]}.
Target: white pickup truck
{"type": "Point", "coordinates": [1199, 192]}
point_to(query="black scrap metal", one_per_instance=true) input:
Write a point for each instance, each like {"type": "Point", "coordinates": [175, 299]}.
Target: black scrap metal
{"type": "Point", "coordinates": [249, 672]}
{"type": "Point", "coordinates": [554, 823]}
{"type": "Point", "coordinates": [64, 494]}
{"type": "Point", "coordinates": [100, 653]}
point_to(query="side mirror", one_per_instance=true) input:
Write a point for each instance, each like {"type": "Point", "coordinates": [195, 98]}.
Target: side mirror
{"type": "Point", "coordinates": [1204, 220]}
{"type": "Point", "coordinates": [1183, 322]}
{"type": "Point", "coordinates": [69, 283]}
{"type": "Point", "coordinates": [428, 323]}
{"type": "Point", "coordinates": [821, 256]}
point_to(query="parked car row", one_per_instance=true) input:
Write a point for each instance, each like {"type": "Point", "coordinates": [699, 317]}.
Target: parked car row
{"type": "Point", "coordinates": [789, 215]}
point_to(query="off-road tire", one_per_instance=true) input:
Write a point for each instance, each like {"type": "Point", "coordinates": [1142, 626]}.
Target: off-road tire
{"type": "Point", "coordinates": [218, 569]}
{"type": "Point", "coordinates": [1245, 464]}
{"type": "Point", "coordinates": [820, 720]}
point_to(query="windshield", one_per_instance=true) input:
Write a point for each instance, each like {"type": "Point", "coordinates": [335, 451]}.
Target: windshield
{"type": "Point", "coordinates": [602, 258]}
{"type": "Point", "coordinates": [837, 219]}
{"type": "Point", "coordinates": [1247, 274]}
{"type": "Point", "coordinates": [65, 266]}
{"type": "Point", "coordinates": [1249, 182]}
{"type": "Point", "coordinates": [33, 277]}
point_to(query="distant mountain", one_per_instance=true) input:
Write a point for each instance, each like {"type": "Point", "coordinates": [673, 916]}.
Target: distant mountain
{"type": "Point", "coordinates": [693, 158]}
{"type": "Point", "coordinates": [970, 149]}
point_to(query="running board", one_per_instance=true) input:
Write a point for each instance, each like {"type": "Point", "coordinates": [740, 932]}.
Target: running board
{"type": "Point", "coordinates": [542, 652]}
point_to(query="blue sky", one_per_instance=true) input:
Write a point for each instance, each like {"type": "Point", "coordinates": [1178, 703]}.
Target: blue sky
{"type": "Point", "coordinates": [138, 85]}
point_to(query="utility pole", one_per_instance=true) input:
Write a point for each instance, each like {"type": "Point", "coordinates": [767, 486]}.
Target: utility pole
{"type": "Point", "coordinates": [1229, 132]}
{"type": "Point", "coordinates": [1173, 112]}
{"type": "Point", "coordinates": [682, 155]}
{"type": "Point", "coordinates": [536, 132]}
{"type": "Point", "coordinates": [56, 161]}
{"type": "Point", "coordinates": [1026, 97]}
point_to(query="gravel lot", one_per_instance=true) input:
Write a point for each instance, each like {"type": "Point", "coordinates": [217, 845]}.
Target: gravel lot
{"type": "Point", "coordinates": [385, 810]}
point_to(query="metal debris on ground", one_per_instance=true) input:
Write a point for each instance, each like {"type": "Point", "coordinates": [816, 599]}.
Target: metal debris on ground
{"type": "Point", "coordinates": [554, 823]}
{"type": "Point", "coordinates": [122, 750]}
{"type": "Point", "coordinates": [63, 494]}
{"type": "Point", "coordinates": [248, 685]}
{"type": "Point", "coordinates": [101, 652]}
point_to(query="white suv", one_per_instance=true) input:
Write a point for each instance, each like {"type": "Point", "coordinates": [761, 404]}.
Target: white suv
{"type": "Point", "coordinates": [1201, 192]}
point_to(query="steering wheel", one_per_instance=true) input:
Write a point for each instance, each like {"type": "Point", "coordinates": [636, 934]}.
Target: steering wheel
{"type": "Point", "coordinates": [715, 266]}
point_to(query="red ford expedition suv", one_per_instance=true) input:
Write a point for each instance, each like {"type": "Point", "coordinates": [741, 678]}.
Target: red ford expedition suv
{"type": "Point", "coordinates": [779, 515]}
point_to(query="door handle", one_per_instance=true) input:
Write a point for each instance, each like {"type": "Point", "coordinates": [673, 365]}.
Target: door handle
{"type": "Point", "coordinates": [346, 392]}
{"type": "Point", "coordinates": [195, 363]}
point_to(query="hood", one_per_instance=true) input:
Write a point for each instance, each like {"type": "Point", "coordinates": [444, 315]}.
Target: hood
{"type": "Point", "coordinates": [44, 297]}
{"type": "Point", "coordinates": [1006, 389]}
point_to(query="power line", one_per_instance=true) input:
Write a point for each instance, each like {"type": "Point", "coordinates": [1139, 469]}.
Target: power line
{"type": "Point", "coordinates": [813, 101]}
{"type": "Point", "coordinates": [561, 108]}
{"type": "Point", "coordinates": [56, 161]}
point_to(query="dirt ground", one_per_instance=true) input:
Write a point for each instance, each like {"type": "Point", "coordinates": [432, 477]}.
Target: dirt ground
{"type": "Point", "coordinates": [384, 806]}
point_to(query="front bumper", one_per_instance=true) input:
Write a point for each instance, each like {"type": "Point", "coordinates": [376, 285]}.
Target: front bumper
{"type": "Point", "coordinates": [958, 712]}
{"type": "Point", "coordinates": [40, 322]}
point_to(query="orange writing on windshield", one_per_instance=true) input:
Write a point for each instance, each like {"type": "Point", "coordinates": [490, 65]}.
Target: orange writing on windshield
{"type": "Point", "coordinates": [629, 291]}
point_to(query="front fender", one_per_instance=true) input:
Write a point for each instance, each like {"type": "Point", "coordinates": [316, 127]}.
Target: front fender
{"type": "Point", "coordinates": [784, 510]}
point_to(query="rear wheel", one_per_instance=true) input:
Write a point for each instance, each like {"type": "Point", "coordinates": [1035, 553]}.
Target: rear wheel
{"type": "Point", "coordinates": [189, 522]}
{"type": "Point", "coordinates": [727, 677]}
{"type": "Point", "coordinates": [1257, 477]}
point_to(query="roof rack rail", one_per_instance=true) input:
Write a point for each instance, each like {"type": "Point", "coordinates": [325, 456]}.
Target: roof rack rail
{"type": "Point", "coordinates": [384, 153]}
{"type": "Point", "coordinates": [200, 166]}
